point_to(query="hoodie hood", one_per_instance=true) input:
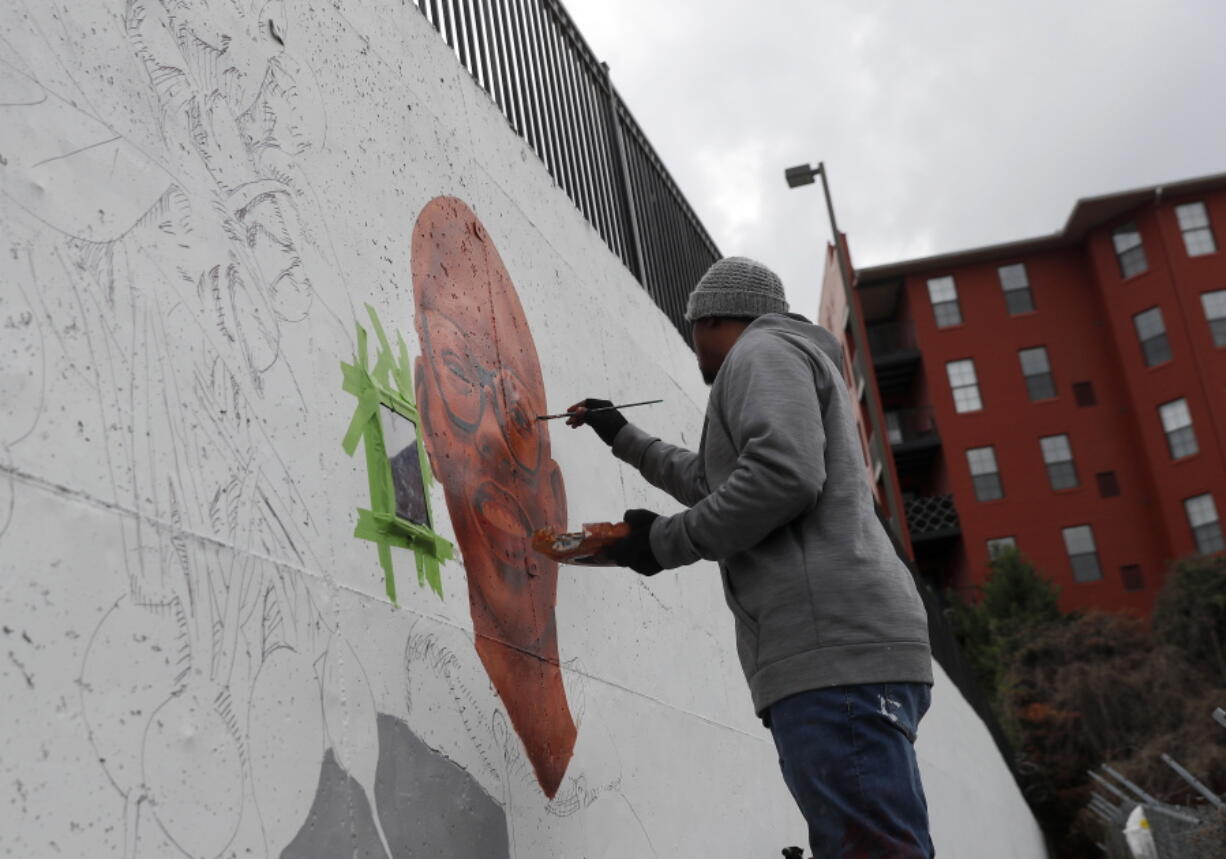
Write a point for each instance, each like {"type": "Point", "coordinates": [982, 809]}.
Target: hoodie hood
{"type": "Point", "coordinates": [795, 325]}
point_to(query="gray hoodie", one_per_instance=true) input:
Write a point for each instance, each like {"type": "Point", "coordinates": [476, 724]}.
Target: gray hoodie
{"type": "Point", "coordinates": [779, 497]}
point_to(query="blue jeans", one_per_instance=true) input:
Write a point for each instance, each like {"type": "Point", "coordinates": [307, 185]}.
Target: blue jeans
{"type": "Point", "coordinates": [848, 759]}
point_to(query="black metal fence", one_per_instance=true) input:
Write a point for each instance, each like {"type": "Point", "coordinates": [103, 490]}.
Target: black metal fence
{"type": "Point", "coordinates": [534, 64]}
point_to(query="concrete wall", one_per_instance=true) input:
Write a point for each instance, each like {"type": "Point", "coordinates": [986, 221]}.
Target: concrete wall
{"type": "Point", "coordinates": [200, 658]}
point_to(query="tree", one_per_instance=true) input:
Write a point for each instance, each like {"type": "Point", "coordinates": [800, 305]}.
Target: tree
{"type": "Point", "coordinates": [1101, 689]}
{"type": "Point", "coordinates": [1191, 613]}
{"type": "Point", "coordinates": [1014, 601]}
{"type": "Point", "coordinates": [1076, 691]}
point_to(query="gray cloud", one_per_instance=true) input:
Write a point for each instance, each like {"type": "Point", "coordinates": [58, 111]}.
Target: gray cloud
{"type": "Point", "coordinates": [945, 124]}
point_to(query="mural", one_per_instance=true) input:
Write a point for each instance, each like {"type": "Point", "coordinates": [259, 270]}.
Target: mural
{"type": "Point", "coordinates": [205, 207]}
{"type": "Point", "coordinates": [397, 470]}
{"type": "Point", "coordinates": [174, 311]}
{"type": "Point", "coordinates": [479, 390]}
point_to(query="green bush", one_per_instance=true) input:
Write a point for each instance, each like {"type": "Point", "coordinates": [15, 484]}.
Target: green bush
{"type": "Point", "coordinates": [1191, 613]}
{"type": "Point", "coordinates": [1014, 601]}
{"type": "Point", "coordinates": [1074, 691]}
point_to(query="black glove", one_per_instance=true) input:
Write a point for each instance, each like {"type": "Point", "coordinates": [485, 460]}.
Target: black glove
{"type": "Point", "coordinates": [635, 551]}
{"type": "Point", "coordinates": [607, 424]}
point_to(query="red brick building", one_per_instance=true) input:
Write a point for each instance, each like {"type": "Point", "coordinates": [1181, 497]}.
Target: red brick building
{"type": "Point", "coordinates": [1065, 394]}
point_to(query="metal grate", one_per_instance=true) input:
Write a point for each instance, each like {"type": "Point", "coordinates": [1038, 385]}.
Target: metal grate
{"type": "Point", "coordinates": [932, 516]}
{"type": "Point", "coordinates": [534, 63]}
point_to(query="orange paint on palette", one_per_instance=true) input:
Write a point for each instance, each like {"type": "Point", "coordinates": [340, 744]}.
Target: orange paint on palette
{"type": "Point", "coordinates": [479, 389]}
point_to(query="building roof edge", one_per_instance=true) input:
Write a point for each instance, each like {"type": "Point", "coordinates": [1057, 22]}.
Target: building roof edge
{"type": "Point", "coordinates": [1087, 213]}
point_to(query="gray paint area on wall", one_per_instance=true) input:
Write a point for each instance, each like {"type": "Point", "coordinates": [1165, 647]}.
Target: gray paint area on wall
{"type": "Point", "coordinates": [452, 814]}
{"type": "Point", "coordinates": [198, 657]}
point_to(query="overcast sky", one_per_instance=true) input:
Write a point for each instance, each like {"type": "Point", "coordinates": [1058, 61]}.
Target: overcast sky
{"type": "Point", "coordinates": [944, 124]}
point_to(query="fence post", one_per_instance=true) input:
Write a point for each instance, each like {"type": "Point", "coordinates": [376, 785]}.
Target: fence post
{"type": "Point", "coordinates": [617, 144]}
{"type": "Point", "coordinates": [1192, 780]}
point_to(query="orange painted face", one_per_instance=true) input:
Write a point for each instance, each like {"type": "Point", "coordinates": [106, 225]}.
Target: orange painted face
{"type": "Point", "coordinates": [479, 390]}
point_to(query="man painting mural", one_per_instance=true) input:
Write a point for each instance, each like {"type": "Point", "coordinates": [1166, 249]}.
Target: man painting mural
{"type": "Point", "coordinates": [479, 389]}
{"type": "Point", "coordinates": [830, 629]}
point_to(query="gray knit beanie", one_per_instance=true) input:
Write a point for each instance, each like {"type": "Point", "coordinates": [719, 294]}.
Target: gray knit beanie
{"type": "Point", "coordinates": [736, 286]}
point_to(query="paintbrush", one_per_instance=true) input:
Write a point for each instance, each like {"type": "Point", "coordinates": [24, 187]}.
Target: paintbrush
{"type": "Point", "coordinates": [601, 409]}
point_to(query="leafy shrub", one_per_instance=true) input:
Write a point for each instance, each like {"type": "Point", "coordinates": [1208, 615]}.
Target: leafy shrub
{"type": "Point", "coordinates": [1077, 691]}
{"type": "Point", "coordinates": [1191, 613]}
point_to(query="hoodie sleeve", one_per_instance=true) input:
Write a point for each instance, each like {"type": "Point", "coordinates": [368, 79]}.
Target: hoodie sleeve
{"type": "Point", "coordinates": [674, 469]}
{"type": "Point", "coordinates": [772, 409]}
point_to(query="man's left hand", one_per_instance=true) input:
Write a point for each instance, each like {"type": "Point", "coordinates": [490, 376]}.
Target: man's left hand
{"type": "Point", "coordinates": [635, 551]}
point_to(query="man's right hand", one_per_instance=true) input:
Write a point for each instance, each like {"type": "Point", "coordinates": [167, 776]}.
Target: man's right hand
{"type": "Point", "coordinates": [606, 423]}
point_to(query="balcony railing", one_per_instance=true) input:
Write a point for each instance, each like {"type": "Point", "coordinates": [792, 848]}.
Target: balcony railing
{"type": "Point", "coordinates": [932, 517]}
{"type": "Point", "coordinates": [890, 338]}
{"type": "Point", "coordinates": [908, 426]}
{"type": "Point", "coordinates": [532, 61]}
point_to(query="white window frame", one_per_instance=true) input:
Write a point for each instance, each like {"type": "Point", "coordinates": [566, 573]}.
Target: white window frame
{"type": "Point", "coordinates": [1082, 553]}
{"type": "Point", "coordinates": [985, 473]}
{"type": "Point", "coordinates": [1205, 524]}
{"type": "Point", "coordinates": [1058, 457]}
{"type": "Point", "coordinates": [1151, 335]}
{"type": "Point", "coordinates": [964, 385]}
{"type": "Point", "coordinates": [1015, 284]}
{"type": "Point", "coordinates": [1198, 239]}
{"type": "Point", "coordinates": [943, 295]}
{"type": "Point", "coordinates": [1129, 250]}
{"type": "Point", "coordinates": [1034, 379]}
{"type": "Point", "coordinates": [998, 545]}
{"type": "Point", "coordinates": [1214, 305]}
{"type": "Point", "coordinates": [1177, 426]}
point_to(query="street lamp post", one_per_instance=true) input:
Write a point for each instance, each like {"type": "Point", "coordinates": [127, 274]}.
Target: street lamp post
{"type": "Point", "coordinates": [800, 175]}
{"type": "Point", "coordinates": [803, 175]}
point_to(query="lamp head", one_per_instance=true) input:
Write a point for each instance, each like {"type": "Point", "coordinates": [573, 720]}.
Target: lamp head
{"type": "Point", "coordinates": [801, 174]}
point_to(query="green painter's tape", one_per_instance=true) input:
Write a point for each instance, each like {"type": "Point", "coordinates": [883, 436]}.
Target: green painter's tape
{"type": "Point", "coordinates": [368, 407]}
{"type": "Point", "coordinates": [389, 383]}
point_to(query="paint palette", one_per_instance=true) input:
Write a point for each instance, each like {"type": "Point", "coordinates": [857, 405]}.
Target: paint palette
{"type": "Point", "coordinates": [581, 548]}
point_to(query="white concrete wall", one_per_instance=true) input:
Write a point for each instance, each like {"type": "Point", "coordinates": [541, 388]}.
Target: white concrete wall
{"type": "Point", "coordinates": [198, 655]}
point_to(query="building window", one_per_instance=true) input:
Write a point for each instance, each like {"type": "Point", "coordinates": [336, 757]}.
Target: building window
{"type": "Point", "coordinates": [1197, 234]}
{"type": "Point", "coordinates": [1108, 484]}
{"type": "Point", "coordinates": [984, 474]}
{"type": "Point", "coordinates": [1129, 250]}
{"type": "Point", "coordinates": [1151, 331]}
{"type": "Point", "coordinates": [1215, 314]}
{"type": "Point", "coordinates": [893, 427]}
{"type": "Point", "coordinates": [1083, 393]}
{"type": "Point", "coordinates": [965, 385]}
{"type": "Point", "coordinates": [1082, 553]}
{"type": "Point", "coordinates": [1016, 285]}
{"type": "Point", "coordinates": [1177, 424]}
{"type": "Point", "coordinates": [1058, 455]}
{"type": "Point", "coordinates": [944, 297]}
{"type": "Point", "coordinates": [1132, 578]}
{"type": "Point", "coordinates": [1037, 370]}
{"type": "Point", "coordinates": [1000, 545]}
{"type": "Point", "coordinates": [1206, 529]}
